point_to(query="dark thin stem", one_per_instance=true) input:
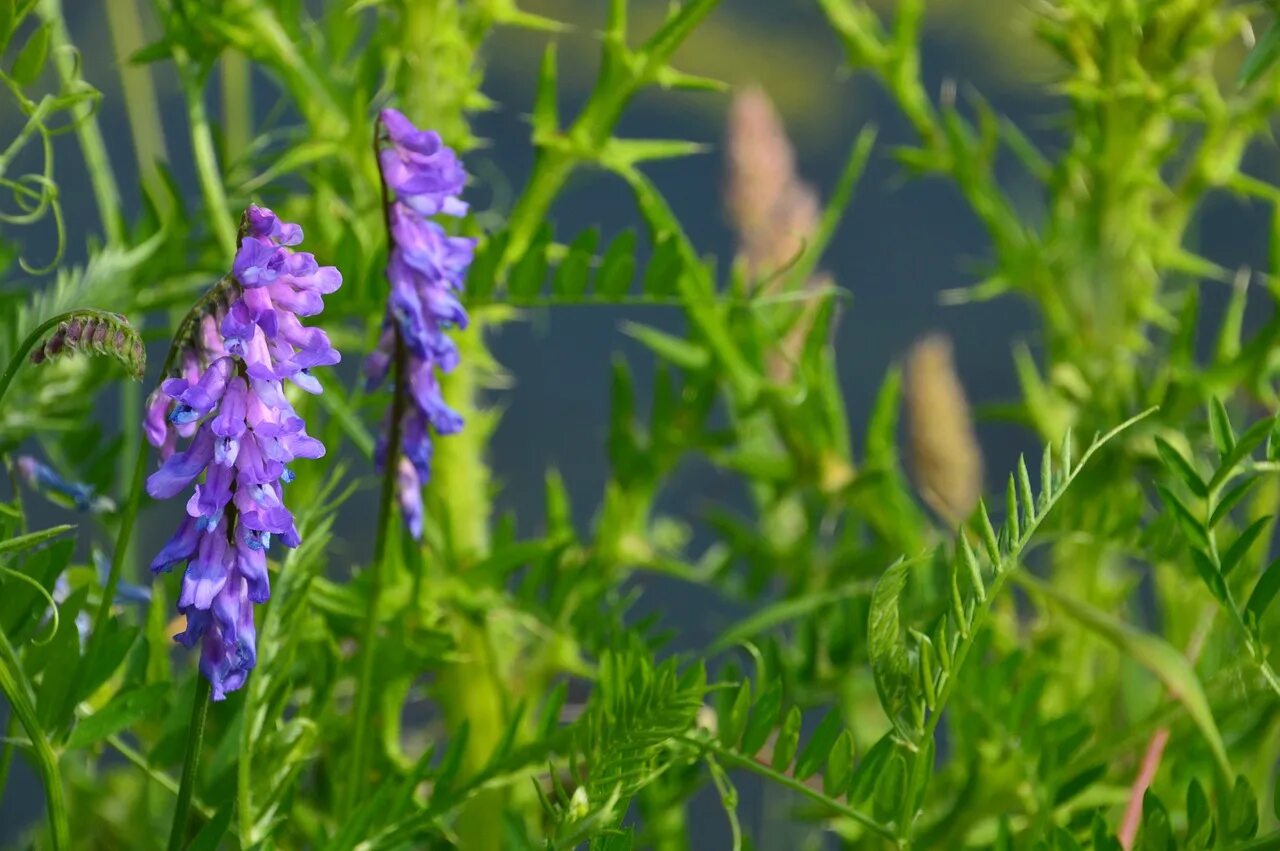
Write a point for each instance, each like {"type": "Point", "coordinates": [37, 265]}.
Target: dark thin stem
{"type": "Point", "coordinates": [368, 643]}
{"type": "Point", "coordinates": [386, 514]}
{"type": "Point", "coordinates": [190, 762]}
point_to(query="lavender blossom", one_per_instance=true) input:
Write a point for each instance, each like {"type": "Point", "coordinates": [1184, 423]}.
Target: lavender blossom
{"type": "Point", "coordinates": [228, 400]}
{"type": "Point", "coordinates": [426, 271]}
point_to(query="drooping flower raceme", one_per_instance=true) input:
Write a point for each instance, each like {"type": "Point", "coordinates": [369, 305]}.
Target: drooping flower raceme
{"type": "Point", "coordinates": [426, 272]}
{"type": "Point", "coordinates": [229, 400]}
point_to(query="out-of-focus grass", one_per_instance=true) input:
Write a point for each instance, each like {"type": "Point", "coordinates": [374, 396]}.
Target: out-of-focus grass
{"type": "Point", "coordinates": [793, 53]}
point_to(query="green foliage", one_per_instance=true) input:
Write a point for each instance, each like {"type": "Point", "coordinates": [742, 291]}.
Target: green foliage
{"type": "Point", "coordinates": [1123, 695]}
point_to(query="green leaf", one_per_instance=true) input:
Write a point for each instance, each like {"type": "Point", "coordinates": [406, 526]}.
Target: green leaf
{"type": "Point", "coordinates": [530, 272]}
{"type": "Point", "coordinates": [1264, 592]}
{"type": "Point", "coordinates": [549, 720]}
{"type": "Point", "coordinates": [784, 747]}
{"type": "Point", "coordinates": [1191, 527]}
{"type": "Point", "coordinates": [764, 715]}
{"type": "Point", "coordinates": [546, 116]}
{"type": "Point", "coordinates": [120, 712]}
{"type": "Point", "coordinates": [1181, 468]}
{"type": "Point", "coordinates": [856, 162]}
{"type": "Point", "coordinates": [1240, 450]}
{"type": "Point", "coordinates": [671, 78]}
{"type": "Point", "coordinates": [665, 267]}
{"type": "Point", "coordinates": [889, 787]}
{"type": "Point", "coordinates": [819, 746]}
{"type": "Point", "coordinates": [785, 611]}
{"type": "Point", "coordinates": [618, 266]}
{"type": "Point", "coordinates": [1224, 436]}
{"type": "Point", "coordinates": [1236, 553]}
{"type": "Point", "coordinates": [1199, 817]}
{"type": "Point", "coordinates": [622, 154]}
{"type": "Point", "coordinates": [839, 766]}
{"type": "Point", "coordinates": [862, 784]}
{"type": "Point", "coordinates": [1209, 574]}
{"type": "Point", "coordinates": [157, 51]}
{"type": "Point", "coordinates": [112, 648]}
{"type": "Point", "coordinates": [1154, 654]}
{"type": "Point", "coordinates": [659, 46]}
{"type": "Point", "coordinates": [890, 665]}
{"type": "Point", "coordinates": [6, 23]}
{"type": "Point", "coordinates": [210, 836]}
{"type": "Point", "coordinates": [575, 269]}
{"type": "Point", "coordinates": [32, 539]}
{"type": "Point", "coordinates": [30, 61]}
{"type": "Point", "coordinates": [1011, 525]}
{"type": "Point", "coordinates": [482, 277]}
{"type": "Point", "coordinates": [1156, 834]}
{"type": "Point", "coordinates": [988, 533]}
{"type": "Point", "coordinates": [673, 349]}
{"type": "Point", "coordinates": [20, 606]}
{"type": "Point", "coordinates": [1263, 56]}
{"type": "Point", "coordinates": [734, 722]}
{"type": "Point", "coordinates": [1230, 499]}
{"type": "Point", "coordinates": [1241, 820]}
{"type": "Point", "coordinates": [1025, 495]}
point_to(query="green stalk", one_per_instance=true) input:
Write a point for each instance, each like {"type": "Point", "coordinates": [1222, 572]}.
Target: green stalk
{"type": "Point", "coordinates": [202, 148]}
{"type": "Point", "coordinates": [237, 104]}
{"type": "Point", "coordinates": [140, 101]}
{"type": "Point", "coordinates": [190, 762]}
{"type": "Point", "coordinates": [6, 755]}
{"type": "Point", "coordinates": [94, 150]}
{"type": "Point", "coordinates": [731, 757]}
{"type": "Point", "coordinates": [369, 635]}
{"type": "Point", "coordinates": [17, 689]}
{"type": "Point", "coordinates": [440, 49]}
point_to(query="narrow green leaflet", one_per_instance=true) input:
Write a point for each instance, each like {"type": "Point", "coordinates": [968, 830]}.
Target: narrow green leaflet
{"type": "Point", "coordinates": [1154, 654]}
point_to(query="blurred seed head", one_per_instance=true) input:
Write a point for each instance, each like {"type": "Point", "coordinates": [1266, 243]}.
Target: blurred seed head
{"type": "Point", "coordinates": [770, 208]}
{"type": "Point", "coordinates": [945, 456]}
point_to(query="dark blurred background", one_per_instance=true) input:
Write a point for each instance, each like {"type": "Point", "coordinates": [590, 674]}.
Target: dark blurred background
{"type": "Point", "coordinates": [901, 242]}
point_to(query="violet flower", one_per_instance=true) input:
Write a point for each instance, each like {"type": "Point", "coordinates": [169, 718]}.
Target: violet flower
{"type": "Point", "coordinates": [228, 400]}
{"type": "Point", "coordinates": [426, 271]}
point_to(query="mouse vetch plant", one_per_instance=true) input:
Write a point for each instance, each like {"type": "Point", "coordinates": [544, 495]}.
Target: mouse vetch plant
{"type": "Point", "coordinates": [230, 401]}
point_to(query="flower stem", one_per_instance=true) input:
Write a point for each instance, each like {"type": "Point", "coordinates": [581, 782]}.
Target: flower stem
{"type": "Point", "coordinates": [237, 105]}
{"type": "Point", "coordinates": [202, 149]}
{"type": "Point", "coordinates": [190, 762]}
{"type": "Point", "coordinates": [17, 689]}
{"type": "Point", "coordinates": [369, 634]}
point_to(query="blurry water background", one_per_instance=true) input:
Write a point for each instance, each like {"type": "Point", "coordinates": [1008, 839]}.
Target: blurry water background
{"type": "Point", "coordinates": [901, 243]}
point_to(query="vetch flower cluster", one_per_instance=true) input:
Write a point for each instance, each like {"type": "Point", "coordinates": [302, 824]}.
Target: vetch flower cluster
{"type": "Point", "coordinates": [229, 401]}
{"type": "Point", "coordinates": [426, 272]}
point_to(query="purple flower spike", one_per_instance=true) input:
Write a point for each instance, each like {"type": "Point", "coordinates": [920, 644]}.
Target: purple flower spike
{"type": "Point", "coordinates": [426, 270]}
{"type": "Point", "coordinates": [227, 398]}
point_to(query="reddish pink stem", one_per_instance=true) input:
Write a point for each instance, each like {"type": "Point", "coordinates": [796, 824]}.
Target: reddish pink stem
{"type": "Point", "coordinates": [1150, 763]}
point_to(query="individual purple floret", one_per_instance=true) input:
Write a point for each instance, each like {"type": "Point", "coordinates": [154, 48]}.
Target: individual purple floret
{"type": "Point", "coordinates": [229, 400]}
{"type": "Point", "coordinates": [426, 271]}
